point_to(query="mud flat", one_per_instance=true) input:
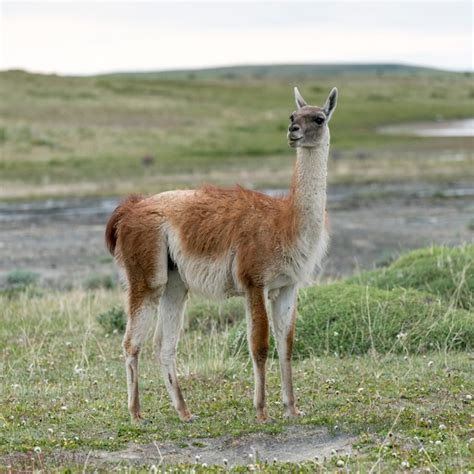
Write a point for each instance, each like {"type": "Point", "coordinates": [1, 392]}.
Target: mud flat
{"type": "Point", "coordinates": [62, 240]}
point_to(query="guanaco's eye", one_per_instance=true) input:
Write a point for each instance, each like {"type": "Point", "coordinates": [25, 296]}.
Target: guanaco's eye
{"type": "Point", "coordinates": [319, 119]}
{"type": "Point", "coordinates": [292, 118]}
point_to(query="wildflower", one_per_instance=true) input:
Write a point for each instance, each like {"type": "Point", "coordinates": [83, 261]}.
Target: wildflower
{"type": "Point", "coordinates": [333, 452]}
{"type": "Point", "coordinates": [468, 397]}
{"type": "Point", "coordinates": [78, 370]}
{"type": "Point", "coordinates": [204, 464]}
{"type": "Point", "coordinates": [225, 461]}
{"type": "Point", "coordinates": [197, 458]}
{"type": "Point", "coordinates": [404, 464]}
{"type": "Point", "coordinates": [442, 427]}
{"type": "Point", "coordinates": [251, 467]}
{"type": "Point", "coordinates": [50, 430]}
{"type": "Point", "coordinates": [340, 463]}
{"type": "Point", "coordinates": [37, 450]}
{"type": "Point", "coordinates": [438, 442]}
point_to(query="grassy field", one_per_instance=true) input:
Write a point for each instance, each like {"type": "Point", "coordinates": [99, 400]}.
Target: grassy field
{"type": "Point", "coordinates": [115, 134]}
{"type": "Point", "coordinates": [404, 390]}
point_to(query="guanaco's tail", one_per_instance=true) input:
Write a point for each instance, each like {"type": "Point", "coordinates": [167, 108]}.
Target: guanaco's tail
{"type": "Point", "coordinates": [114, 221]}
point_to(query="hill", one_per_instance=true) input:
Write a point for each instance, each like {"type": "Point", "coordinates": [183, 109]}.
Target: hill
{"type": "Point", "coordinates": [290, 70]}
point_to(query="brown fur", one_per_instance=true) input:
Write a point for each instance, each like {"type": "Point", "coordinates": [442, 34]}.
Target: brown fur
{"type": "Point", "coordinates": [251, 224]}
{"type": "Point", "coordinates": [114, 221]}
{"type": "Point", "coordinates": [259, 344]}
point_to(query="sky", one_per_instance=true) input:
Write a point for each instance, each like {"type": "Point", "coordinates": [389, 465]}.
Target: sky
{"type": "Point", "coordinates": [90, 37]}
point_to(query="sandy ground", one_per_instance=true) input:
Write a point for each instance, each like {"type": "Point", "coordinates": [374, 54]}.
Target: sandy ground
{"type": "Point", "coordinates": [62, 240]}
{"type": "Point", "coordinates": [295, 444]}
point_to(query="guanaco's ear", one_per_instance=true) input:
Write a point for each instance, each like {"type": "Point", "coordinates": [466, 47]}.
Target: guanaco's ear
{"type": "Point", "coordinates": [330, 104]}
{"type": "Point", "coordinates": [300, 102]}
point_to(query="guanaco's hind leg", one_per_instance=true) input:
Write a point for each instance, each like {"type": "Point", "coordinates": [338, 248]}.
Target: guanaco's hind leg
{"type": "Point", "coordinates": [142, 308]}
{"type": "Point", "coordinates": [257, 335]}
{"type": "Point", "coordinates": [168, 329]}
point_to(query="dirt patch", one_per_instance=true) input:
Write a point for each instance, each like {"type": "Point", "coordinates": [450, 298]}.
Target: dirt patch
{"type": "Point", "coordinates": [295, 444]}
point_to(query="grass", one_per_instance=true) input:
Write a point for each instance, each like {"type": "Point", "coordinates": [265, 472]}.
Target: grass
{"type": "Point", "coordinates": [63, 384]}
{"type": "Point", "coordinates": [443, 271]}
{"type": "Point", "coordinates": [115, 134]}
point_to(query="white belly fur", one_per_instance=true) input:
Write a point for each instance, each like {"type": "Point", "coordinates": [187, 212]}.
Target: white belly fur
{"type": "Point", "coordinates": [214, 278]}
{"type": "Point", "coordinates": [217, 278]}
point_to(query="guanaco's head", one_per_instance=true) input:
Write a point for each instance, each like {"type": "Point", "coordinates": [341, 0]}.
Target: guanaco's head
{"type": "Point", "coordinates": [308, 124]}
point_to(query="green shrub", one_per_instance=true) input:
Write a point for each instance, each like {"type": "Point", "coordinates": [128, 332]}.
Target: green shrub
{"type": "Point", "coordinates": [346, 319]}
{"type": "Point", "coordinates": [113, 320]}
{"type": "Point", "coordinates": [95, 282]}
{"type": "Point", "coordinates": [204, 314]}
{"type": "Point", "coordinates": [22, 278]}
{"type": "Point", "coordinates": [443, 271]}
{"type": "Point", "coordinates": [353, 319]}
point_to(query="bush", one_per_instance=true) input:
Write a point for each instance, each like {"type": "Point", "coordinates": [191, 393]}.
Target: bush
{"type": "Point", "coordinates": [352, 319]}
{"type": "Point", "coordinates": [347, 319]}
{"type": "Point", "coordinates": [22, 278]}
{"type": "Point", "coordinates": [95, 282]}
{"type": "Point", "coordinates": [113, 320]}
{"type": "Point", "coordinates": [205, 315]}
{"type": "Point", "coordinates": [443, 271]}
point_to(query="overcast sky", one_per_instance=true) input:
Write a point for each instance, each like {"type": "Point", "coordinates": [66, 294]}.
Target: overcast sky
{"type": "Point", "coordinates": [93, 37]}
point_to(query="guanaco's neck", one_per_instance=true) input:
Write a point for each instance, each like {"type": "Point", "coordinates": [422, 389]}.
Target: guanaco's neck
{"type": "Point", "coordinates": [308, 190]}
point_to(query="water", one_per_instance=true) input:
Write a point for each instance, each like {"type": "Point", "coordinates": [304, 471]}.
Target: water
{"type": "Point", "coordinates": [443, 128]}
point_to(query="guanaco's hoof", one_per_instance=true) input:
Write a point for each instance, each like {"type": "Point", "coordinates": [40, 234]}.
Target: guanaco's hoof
{"type": "Point", "coordinates": [295, 414]}
{"type": "Point", "coordinates": [264, 419]}
{"type": "Point", "coordinates": [139, 420]}
{"type": "Point", "coordinates": [189, 418]}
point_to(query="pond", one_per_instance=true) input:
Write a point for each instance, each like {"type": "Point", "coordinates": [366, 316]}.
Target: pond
{"type": "Point", "coordinates": [441, 128]}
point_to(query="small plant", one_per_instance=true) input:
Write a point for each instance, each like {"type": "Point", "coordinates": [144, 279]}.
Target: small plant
{"type": "Point", "coordinates": [113, 320]}
{"type": "Point", "coordinates": [94, 282]}
{"type": "Point", "coordinates": [22, 278]}
{"type": "Point", "coordinates": [3, 134]}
